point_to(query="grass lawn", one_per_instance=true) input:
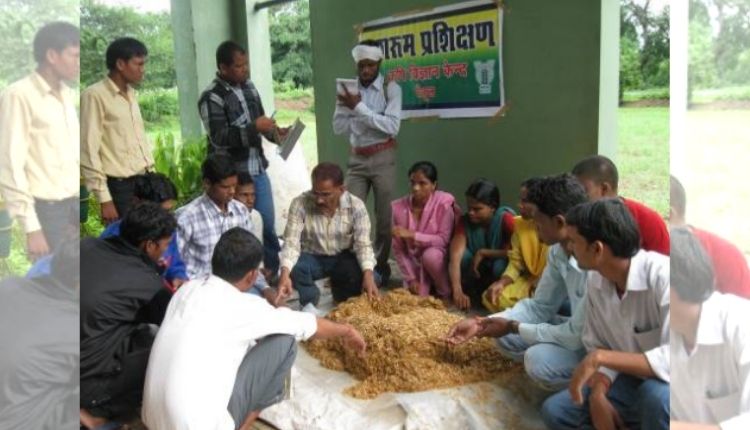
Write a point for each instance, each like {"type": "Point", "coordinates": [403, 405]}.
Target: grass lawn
{"type": "Point", "coordinates": [643, 156]}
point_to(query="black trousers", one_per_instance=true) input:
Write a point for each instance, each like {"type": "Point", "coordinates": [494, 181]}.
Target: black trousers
{"type": "Point", "coordinates": [121, 190]}
{"type": "Point", "coordinates": [59, 219]}
{"type": "Point", "coordinates": [120, 394]}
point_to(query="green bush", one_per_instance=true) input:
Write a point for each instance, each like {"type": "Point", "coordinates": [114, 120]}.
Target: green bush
{"type": "Point", "coordinates": [661, 93]}
{"type": "Point", "coordinates": [181, 162]}
{"type": "Point", "coordinates": [93, 226]}
{"type": "Point", "coordinates": [158, 104]}
{"type": "Point", "coordinates": [286, 90]}
{"type": "Point", "coordinates": [738, 93]}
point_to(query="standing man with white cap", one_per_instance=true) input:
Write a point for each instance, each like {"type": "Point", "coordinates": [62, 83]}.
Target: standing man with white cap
{"type": "Point", "coordinates": [372, 119]}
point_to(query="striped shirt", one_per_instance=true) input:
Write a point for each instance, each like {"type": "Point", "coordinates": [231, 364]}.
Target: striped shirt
{"type": "Point", "coordinates": [310, 231]}
{"type": "Point", "coordinates": [375, 119]}
{"type": "Point", "coordinates": [228, 113]}
{"type": "Point", "coordinates": [200, 224]}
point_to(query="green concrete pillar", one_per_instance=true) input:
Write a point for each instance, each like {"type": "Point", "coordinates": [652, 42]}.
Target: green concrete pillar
{"type": "Point", "coordinates": [609, 77]}
{"type": "Point", "coordinates": [199, 26]}
{"type": "Point", "coordinates": [259, 51]}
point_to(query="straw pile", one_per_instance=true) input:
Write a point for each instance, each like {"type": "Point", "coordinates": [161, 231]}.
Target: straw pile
{"type": "Point", "coordinates": [405, 347]}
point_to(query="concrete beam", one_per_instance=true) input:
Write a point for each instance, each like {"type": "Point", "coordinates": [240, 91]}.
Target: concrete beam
{"type": "Point", "coordinates": [609, 77]}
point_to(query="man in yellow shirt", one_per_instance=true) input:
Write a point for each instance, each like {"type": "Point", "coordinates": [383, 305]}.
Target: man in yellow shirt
{"type": "Point", "coordinates": [39, 142]}
{"type": "Point", "coordinates": [114, 148]}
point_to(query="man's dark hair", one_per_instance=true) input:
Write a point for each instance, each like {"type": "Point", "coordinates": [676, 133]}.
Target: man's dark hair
{"type": "Point", "coordinates": [327, 171]}
{"type": "Point", "coordinates": [427, 168]}
{"type": "Point", "coordinates": [154, 187]}
{"type": "Point", "coordinates": [608, 221]}
{"type": "Point", "coordinates": [531, 183]}
{"type": "Point", "coordinates": [147, 221]}
{"type": "Point", "coordinates": [484, 191]}
{"type": "Point", "coordinates": [66, 261]}
{"type": "Point", "coordinates": [599, 169]}
{"type": "Point", "coordinates": [244, 178]}
{"type": "Point", "coordinates": [218, 167]}
{"type": "Point", "coordinates": [556, 195]}
{"type": "Point", "coordinates": [691, 272]}
{"type": "Point", "coordinates": [56, 36]}
{"type": "Point", "coordinates": [124, 49]}
{"type": "Point", "coordinates": [237, 252]}
{"type": "Point", "coordinates": [225, 53]}
{"type": "Point", "coordinates": [677, 197]}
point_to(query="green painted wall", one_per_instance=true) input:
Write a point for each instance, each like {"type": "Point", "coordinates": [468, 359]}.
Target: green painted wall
{"type": "Point", "coordinates": [199, 27]}
{"type": "Point", "coordinates": [551, 55]}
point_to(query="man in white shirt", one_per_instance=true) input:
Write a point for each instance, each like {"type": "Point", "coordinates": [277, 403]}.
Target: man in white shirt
{"type": "Point", "coordinates": [710, 344]}
{"type": "Point", "coordinates": [222, 356]}
{"type": "Point", "coordinates": [626, 327]}
{"type": "Point", "coordinates": [371, 120]}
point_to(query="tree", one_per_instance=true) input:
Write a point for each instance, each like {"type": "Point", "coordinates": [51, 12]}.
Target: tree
{"type": "Point", "coordinates": [102, 24]}
{"type": "Point", "coordinates": [291, 52]}
{"type": "Point", "coordinates": [19, 22]}
{"type": "Point", "coordinates": [651, 31]}
{"type": "Point", "coordinates": [630, 58]}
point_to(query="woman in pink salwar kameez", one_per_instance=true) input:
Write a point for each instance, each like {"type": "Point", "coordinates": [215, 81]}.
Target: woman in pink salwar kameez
{"type": "Point", "coordinates": [422, 227]}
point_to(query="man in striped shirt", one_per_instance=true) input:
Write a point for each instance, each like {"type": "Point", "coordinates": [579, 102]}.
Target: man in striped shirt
{"type": "Point", "coordinates": [327, 235]}
{"type": "Point", "coordinates": [234, 119]}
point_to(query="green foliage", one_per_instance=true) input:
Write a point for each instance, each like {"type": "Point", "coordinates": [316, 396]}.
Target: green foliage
{"type": "Point", "coordinates": [158, 103]}
{"type": "Point", "coordinates": [655, 52]}
{"type": "Point", "coordinates": [288, 91]}
{"type": "Point", "coordinates": [181, 162]}
{"type": "Point", "coordinates": [291, 52]}
{"type": "Point", "coordinates": [702, 70]}
{"type": "Point", "coordinates": [93, 226]}
{"type": "Point", "coordinates": [19, 22]}
{"type": "Point", "coordinates": [646, 94]}
{"type": "Point", "coordinates": [17, 264]}
{"type": "Point", "coordinates": [644, 46]}
{"type": "Point", "coordinates": [101, 24]}
{"type": "Point", "coordinates": [737, 93]}
{"type": "Point", "coordinates": [719, 50]}
{"type": "Point", "coordinates": [630, 70]}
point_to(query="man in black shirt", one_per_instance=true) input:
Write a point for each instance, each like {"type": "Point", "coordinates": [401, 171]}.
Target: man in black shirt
{"type": "Point", "coordinates": [123, 300]}
{"type": "Point", "coordinates": [39, 353]}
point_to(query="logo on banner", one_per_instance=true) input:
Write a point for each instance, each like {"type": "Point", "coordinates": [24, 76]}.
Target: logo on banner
{"type": "Point", "coordinates": [484, 72]}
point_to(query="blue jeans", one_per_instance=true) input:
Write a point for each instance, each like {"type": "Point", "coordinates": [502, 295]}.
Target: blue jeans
{"type": "Point", "coordinates": [264, 205]}
{"type": "Point", "coordinates": [548, 365]}
{"type": "Point", "coordinates": [642, 404]}
{"type": "Point", "coordinates": [343, 269]}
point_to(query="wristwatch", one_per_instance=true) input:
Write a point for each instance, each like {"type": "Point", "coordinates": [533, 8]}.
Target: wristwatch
{"type": "Point", "coordinates": [514, 327]}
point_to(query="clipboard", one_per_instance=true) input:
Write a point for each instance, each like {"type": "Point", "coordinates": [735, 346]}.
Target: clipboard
{"type": "Point", "coordinates": [287, 145]}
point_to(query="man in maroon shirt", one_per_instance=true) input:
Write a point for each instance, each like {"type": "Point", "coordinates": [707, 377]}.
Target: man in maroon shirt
{"type": "Point", "coordinates": [599, 177]}
{"type": "Point", "coordinates": [730, 265]}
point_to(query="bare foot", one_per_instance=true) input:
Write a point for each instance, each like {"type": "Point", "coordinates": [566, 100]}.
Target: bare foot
{"type": "Point", "coordinates": [250, 420]}
{"type": "Point", "coordinates": [89, 421]}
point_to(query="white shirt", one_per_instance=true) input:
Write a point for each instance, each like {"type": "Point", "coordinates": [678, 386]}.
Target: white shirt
{"type": "Point", "coordinates": [375, 119]}
{"type": "Point", "coordinates": [257, 224]}
{"type": "Point", "coordinates": [637, 322]}
{"type": "Point", "coordinates": [207, 330]}
{"type": "Point", "coordinates": [711, 383]}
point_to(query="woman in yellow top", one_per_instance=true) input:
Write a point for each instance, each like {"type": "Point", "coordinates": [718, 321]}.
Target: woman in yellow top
{"type": "Point", "coordinates": [527, 258]}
